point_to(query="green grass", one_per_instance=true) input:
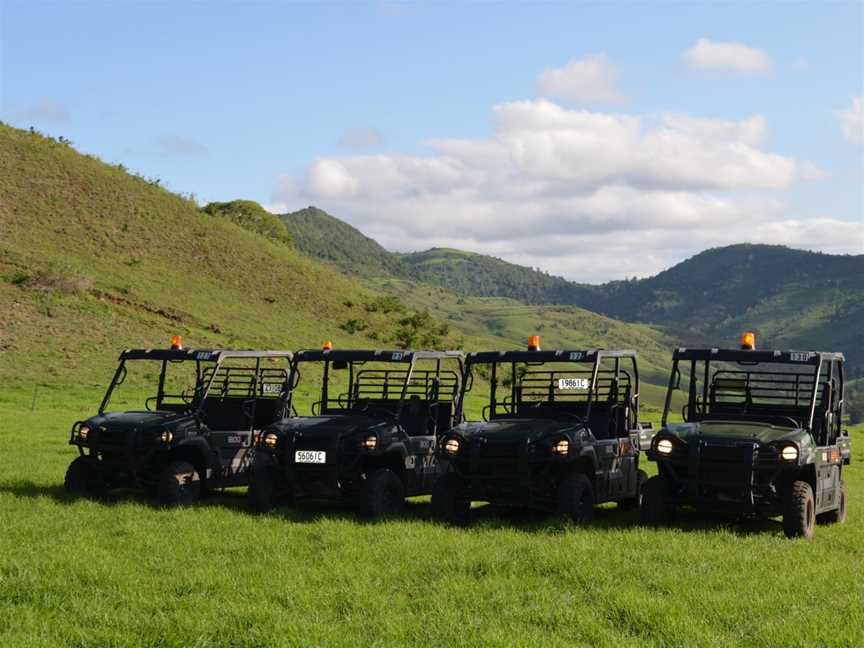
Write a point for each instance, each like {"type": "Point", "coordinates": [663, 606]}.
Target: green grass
{"type": "Point", "coordinates": [123, 572]}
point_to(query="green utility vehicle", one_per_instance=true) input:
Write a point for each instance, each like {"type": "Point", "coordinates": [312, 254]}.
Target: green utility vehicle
{"type": "Point", "coordinates": [761, 436]}
{"type": "Point", "coordinates": [202, 411]}
{"type": "Point", "coordinates": [560, 433]}
{"type": "Point", "coordinates": [370, 436]}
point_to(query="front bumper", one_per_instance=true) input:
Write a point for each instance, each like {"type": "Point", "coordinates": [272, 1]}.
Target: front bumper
{"type": "Point", "coordinates": [342, 475]}
{"type": "Point", "coordinates": [725, 476]}
{"type": "Point", "coordinates": [516, 473]}
{"type": "Point", "coordinates": [122, 457]}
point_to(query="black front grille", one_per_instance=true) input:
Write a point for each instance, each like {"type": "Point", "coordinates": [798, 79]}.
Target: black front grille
{"type": "Point", "coordinates": [497, 458]}
{"type": "Point", "coordinates": [726, 465]}
{"type": "Point", "coordinates": [113, 437]}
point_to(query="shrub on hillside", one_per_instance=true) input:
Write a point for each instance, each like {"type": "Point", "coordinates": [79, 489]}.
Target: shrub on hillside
{"type": "Point", "coordinates": [251, 216]}
{"type": "Point", "coordinates": [385, 304]}
{"type": "Point", "coordinates": [421, 330]}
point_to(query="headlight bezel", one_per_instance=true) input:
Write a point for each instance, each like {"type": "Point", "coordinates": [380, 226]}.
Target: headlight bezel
{"type": "Point", "coordinates": [369, 443]}
{"type": "Point", "coordinates": [83, 432]}
{"type": "Point", "coordinates": [451, 446]}
{"type": "Point", "coordinates": [268, 440]}
{"type": "Point", "coordinates": [560, 447]}
{"type": "Point", "coordinates": [791, 457]}
{"type": "Point", "coordinates": [664, 446]}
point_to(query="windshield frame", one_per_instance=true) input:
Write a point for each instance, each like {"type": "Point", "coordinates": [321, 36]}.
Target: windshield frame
{"type": "Point", "coordinates": [121, 372]}
{"type": "Point", "coordinates": [355, 360]}
{"type": "Point", "coordinates": [594, 357]}
{"type": "Point", "coordinates": [699, 363]}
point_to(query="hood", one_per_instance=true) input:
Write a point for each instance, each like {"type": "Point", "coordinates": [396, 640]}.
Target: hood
{"type": "Point", "coordinates": [763, 433]}
{"type": "Point", "coordinates": [132, 421]}
{"type": "Point", "coordinates": [511, 430]}
{"type": "Point", "coordinates": [329, 427]}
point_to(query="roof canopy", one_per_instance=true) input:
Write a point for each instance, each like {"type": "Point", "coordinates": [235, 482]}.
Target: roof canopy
{"type": "Point", "coordinates": [211, 355]}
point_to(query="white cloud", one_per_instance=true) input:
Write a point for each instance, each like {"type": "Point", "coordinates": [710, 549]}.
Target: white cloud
{"type": "Point", "coordinates": [733, 57]}
{"type": "Point", "coordinates": [361, 139]}
{"type": "Point", "coordinates": [852, 121]}
{"type": "Point", "coordinates": [588, 195]}
{"type": "Point", "coordinates": [588, 80]}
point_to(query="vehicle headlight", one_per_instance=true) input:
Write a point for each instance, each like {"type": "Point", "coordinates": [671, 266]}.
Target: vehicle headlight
{"type": "Point", "coordinates": [83, 432]}
{"type": "Point", "coordinates": [561, 447]}
{"type": "Point", "coordinates": [789, 453]}
{"type": "Point", "coordinates": [664, 446]}
{"type": "Point", "coordinates": [452, 446]}
{"type": "Point", "coordinates": [370, 442]}
{"type": "Point", "coordinates": [166, 437]}
{"type": "Point", "coordinates": [270, 440]}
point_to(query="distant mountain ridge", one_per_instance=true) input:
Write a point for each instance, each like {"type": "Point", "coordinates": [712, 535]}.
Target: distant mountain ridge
{"type": "Point", "coordinates": [792, 297]}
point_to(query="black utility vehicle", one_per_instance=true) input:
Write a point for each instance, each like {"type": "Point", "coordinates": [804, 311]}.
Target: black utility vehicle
{"type": "Point", "coordinates": [202, 412]}
{"type": "Point", "coordinates": [371, 436]}
{"type": "Point", "coordinates": [761, 436]}
{"type": "Point", "coordinates": [560, 432]}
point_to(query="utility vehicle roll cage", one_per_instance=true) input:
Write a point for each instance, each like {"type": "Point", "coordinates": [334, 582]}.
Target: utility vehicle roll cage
{"type": "Point", "coordinates": [535, 393]}
{"type": "Point", "coordinates": [249, 382]}
{"type": "Point", "coordinates": [769, 395]}
{"type": "Point", "coordinates": [377, 385]}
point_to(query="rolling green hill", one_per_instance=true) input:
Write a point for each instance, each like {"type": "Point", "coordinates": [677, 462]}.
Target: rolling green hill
{"type": "Point", "coordinates": [791, 298]}
{"type": "Point", "coordinates": [93, 260]}
{"type": "Point", "coordinates": [320, 235]}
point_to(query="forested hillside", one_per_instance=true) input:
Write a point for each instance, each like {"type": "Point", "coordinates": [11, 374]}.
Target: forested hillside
{"type": "Point", "coordinates": [792, 298]}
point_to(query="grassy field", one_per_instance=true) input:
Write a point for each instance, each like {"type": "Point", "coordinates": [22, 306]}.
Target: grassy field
{"type": "Point", "coordinates": [123, 572]}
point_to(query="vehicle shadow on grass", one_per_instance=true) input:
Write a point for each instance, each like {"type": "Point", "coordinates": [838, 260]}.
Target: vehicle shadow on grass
{"type": "Point", "coordinates": [304, 511]}
{"type": "Point", "coordinates": [23, 488]}
{"type": "Point", "coordinates": [483, 518]}
{"type": "Point", "coordinates": [610, 518]}
{"type": "Point", "coordinates": [314, 510]}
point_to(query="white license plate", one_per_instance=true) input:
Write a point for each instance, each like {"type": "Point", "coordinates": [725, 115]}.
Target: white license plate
{"type": "Point", "coordinates": [310, 456]}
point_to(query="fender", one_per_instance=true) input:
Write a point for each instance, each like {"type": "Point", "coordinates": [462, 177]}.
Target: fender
{"type": "Point", "coordinates": [588, 454]}
{"type": "Point", "coordinates": [197, 451]}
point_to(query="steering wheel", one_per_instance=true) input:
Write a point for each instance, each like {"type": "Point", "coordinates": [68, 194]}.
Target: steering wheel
{"type": "Point", "coordinates": [795, 424]}
{"type": "Point", "coordinates": [342, 400]}
{"type": "Point", "coordinates": [148, 401]}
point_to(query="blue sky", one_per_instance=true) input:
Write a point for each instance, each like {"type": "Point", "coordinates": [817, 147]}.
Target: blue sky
{"type": "Point", "coordinates": [295, 104]}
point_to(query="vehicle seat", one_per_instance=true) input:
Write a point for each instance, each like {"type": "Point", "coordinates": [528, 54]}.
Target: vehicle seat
{"type": "Point", "coordinates": [415, 416]}
{"type": "Point", "coordinates": [226, 413]}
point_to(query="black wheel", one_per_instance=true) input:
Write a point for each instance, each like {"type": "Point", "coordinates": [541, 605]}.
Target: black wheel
{"type": "Point", "coordinates": [449, 501]}
{"type": "Point", "coordinates": [179, 484]}
{"type": "Point", "coordinates": [576, 498]}
{"type": "Point", "coordinates": [635, 502]}
{"type": "Point", "coordinates": [799, 516]}
{"type": "Point", "coordinates": [83, 478]}
{"type": "Point", "coordinates": [384, 495]}
{"type": "Point", "coordinates": [838, 515]}
{"type": "Point", "coordinates": [656, 509]}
